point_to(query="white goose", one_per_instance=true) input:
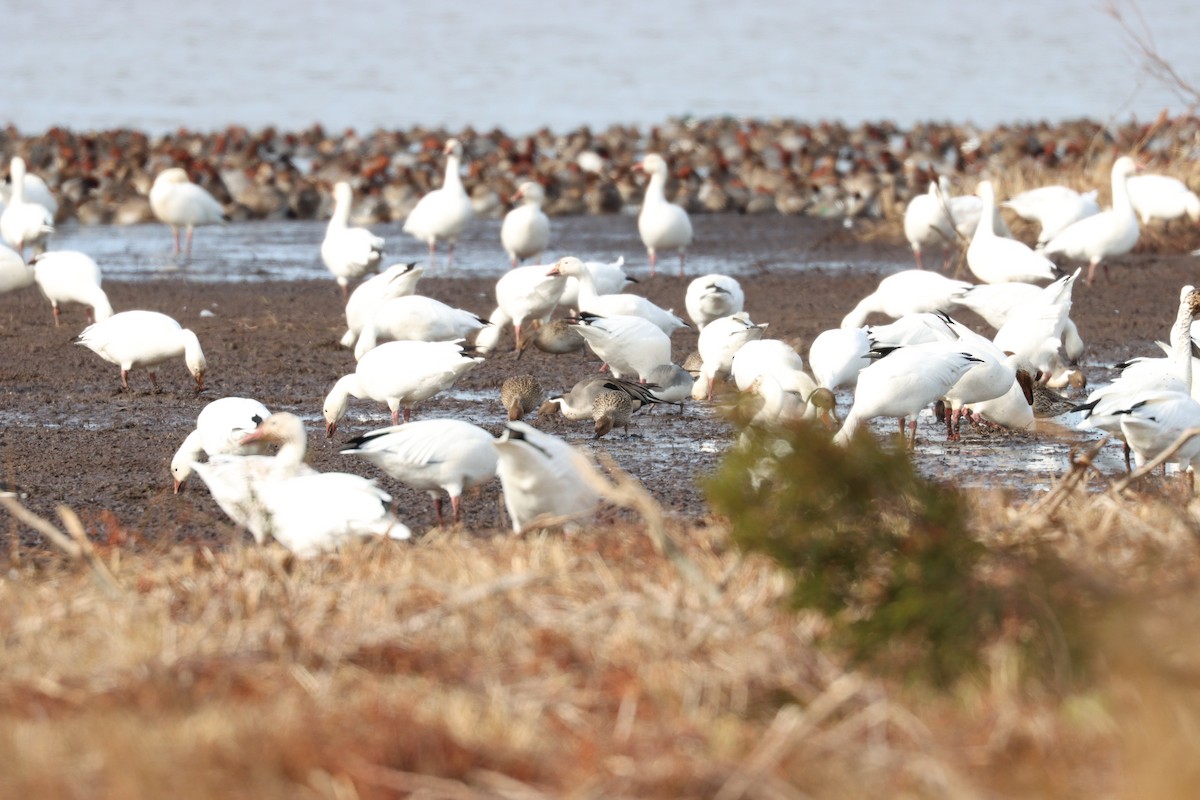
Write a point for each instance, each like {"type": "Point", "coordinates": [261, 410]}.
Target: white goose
{"type": "Point", "coordinates": [996, 259]}
{"type": "Point", "coordinates": [1106, 235]}
{"type": "Point", "coordinates": [1156, 421]}
{"type": "Point", "coordinates": [525, 294]}
{"type": "Point", "coordinates": [774, 370]}
{"type": "Point", "coordinates": [14, 272]}
{"type": "Point", "coordinates": [1013, 409]}
{"type": "Point", "coordinates": [630, 346]}
{"type": "Point", "coordinates": [525, 232]}
{"type": "Point", "coordinates": [349, 253]}
{"type": "Point", "coordinates": [144, 339]}
{"type": "Point", "coordinates": [996, 302]}
{"type": "Point", "coordinates": [415, 317]}
{"type": "Point", "coordinates": [1162, 197]}
{"type": "Point", "coordinates": [400, 374]}
{"type": "Point", "coordinates": [718, 343]}
{"type": "Point", "coordinates": [837, 355]}
{"type": "Point", "coordinates": [902, 382]}
{"type": "Point", "coordinates": [926, 224]}
{"type": "Point", "coordinates": [1034, 330]}
{"type": "Point", "coordinates": [543, 478]}
{"type": "Point", "coordinates": [434, 455]}
{"type": "Point", "coordinates": [661, 224]}
{"type": "Point", "coordinates": [68, 276]}
{"type": "Point", "coordinates": [711, 297]}
{"type": "Point", "coordinates": [398, 280]}
{"type": "Point", "coordinates": [1053, 207]}
{"type": "Point", "coordinates": [36, 191]}
{"type": "Point", "coordinates": [608, 278]}
{"type": "Point", "coordinates": [992, 377]}
{"type": "Point", "coordinates": [220, 428]}
{"type": "Point", "coordinates": [442, 214]}
{"type": "Point", "coordinates": [179, 203]}
{"type": "Point", "coordinates": [23, 222]}
{"type": "Point", "coordinates": [614, 305]}
{"type": "Point", "coordinates": [308, 513]}
{"type": "Point", "coordinates": [910, 291]}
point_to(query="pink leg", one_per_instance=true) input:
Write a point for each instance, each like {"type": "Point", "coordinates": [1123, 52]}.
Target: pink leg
{"type": "Point", "coordinates": [175, 237]}
{"type": "Point", "coordinates": [407, 413]}
{"type": "Point", "coordinates": [450, 257]}
{"type": "Point", "coordinates": [682, 256]}
{"type": "Point", "coordinates": [190, 231]}
{"type": "Point", "coordinates": [917, 253]}
{"type": "Point", "coordinates": [437, 509]}
{"type": "Point", "coordinates": [653, 262]}
{"type": "Point", "coordinates": [603, 368]}
{"type": "Point", "coordinates": [456, 504]}
{"type": "Point", "coordinates": [432, 252]}
{"type": "Point", "coordinates": [124, 379]}
{"type": "Point", "coordinates": [57, 313]}
{"type": "Point", "coordinates": [1092, 272]}
{"type": "Point", "coordinates": [396, 416]}
{"type": "Point", "coordinates": [912, 430]}
{"type": "Point", "coordinates": [517, 336]}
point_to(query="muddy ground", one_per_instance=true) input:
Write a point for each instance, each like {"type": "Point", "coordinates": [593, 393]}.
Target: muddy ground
{"type": "Point", "coordinates": [69, 435]}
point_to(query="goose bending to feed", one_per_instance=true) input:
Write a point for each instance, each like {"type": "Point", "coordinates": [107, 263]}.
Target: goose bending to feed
{"type": "Point", "coordinates": [711, 297]}
{"type": "Point", "coordinates": [630, 346]}
{"type": "Point", "coordinates": [68, 276]}
{"type": "Point", "coordinates": [836, 356]}
{"type": "Point", "coordinates": [179, 203]}
{"type": "Point", "coordinates": [525, 232]}
{"type": "Point", "coordinates": [348, 252]}
{"type": "Point", "coordinates": [24, 223]}
{"type": "Point", "coordinates": [521, 395]}
{"type": "Point", "coordinates": [997, 301]}
{"type": "Point", "coordinates": [400, 374]}
{"type": "Point", "coordinates": [903, 381]}
{"type": "Point", "coordinates": [441, 215]}
{"type": "Point", "coordinates": [1102, 236]}
{"type": "Point", "coordinates": [1153, 424]}
{"type": "Point", "coordinates": [1053, 207]}
{"type": "Point", "coordinates": [398, 280]}
{"type": "Point", "coordinates": [576, 405]}
{"type": "Point", "coordinates": [220, 428]}
{"type": "Point", "coordinates": [526, 294]}
{"type": "Point", "coordinates": [416, 318]}
{"type": "Point", "coordinates": [434, 455]}
{"type": "Point", "coordinates": [14, 272]}
{"type": "Point", "coordinates": [144, 339]}
{"type": "Point", "coordinates": [544, 479]}
{"type": "Point", "coordinates": [936, 219]}
{"type": "Point", "coordinates": [1162, 197]}
{"type": "Point", "coordinates": [307, 512]}
{"type": "Point", "coordinates": [718, 343]}
{"type": "Point", "coordinates": [661, 224]}
{"type": "Point", "coordinates": [1034, 331]}
{"type": "Point", "coordinates": [614, 305]}
{"type": "Point", "coordinates": [996, 259]}
{"type": "Point", "coordinates": [910, 291]}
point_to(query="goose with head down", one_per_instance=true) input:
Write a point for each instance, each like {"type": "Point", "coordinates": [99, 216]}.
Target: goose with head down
{"type": "Point", "coordinates": [220, 428]}
{"type": "Point", "coordinates": [544, 479]}
{"type": "Point", "coordinates": [144, 339]}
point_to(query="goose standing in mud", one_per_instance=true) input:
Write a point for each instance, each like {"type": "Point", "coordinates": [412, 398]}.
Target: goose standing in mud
{"type": "Point", "coordinates": [662, 224]}
{"type": "Point", "coordinates": [179, 203]}
{"type": "Point", "coordinates": [348, 252]}
{"type": "Point", "coordinates": [144, 339]}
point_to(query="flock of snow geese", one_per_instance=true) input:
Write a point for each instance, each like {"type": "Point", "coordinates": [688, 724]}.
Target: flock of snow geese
{"type": "Point", "coordinates": [409, 347]}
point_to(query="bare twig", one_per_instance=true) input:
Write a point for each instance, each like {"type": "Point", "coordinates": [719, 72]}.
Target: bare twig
{"type": "Point", "coordinates": [1153, 62]}
{"type": "Point", "coordinates": [76, 546]}
{"type": "Point", "coordinates": [1161, 458]}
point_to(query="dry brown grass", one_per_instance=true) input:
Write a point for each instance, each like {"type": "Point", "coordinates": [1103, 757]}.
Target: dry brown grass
{"type": "Point", "coordinates": [583, 666]}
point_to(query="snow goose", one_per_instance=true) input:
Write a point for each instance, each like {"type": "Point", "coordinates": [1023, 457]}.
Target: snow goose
{"type": "Point", "coordinates": [907, 292]}
{"type": "Point", "coordinates": [543, 478]}
{"type": "Point", "coordinates": [68, 276]}
{"type": "Point", "coordinates": [992, 377]}
{"type": "Point", "coordinates": [349, 253]}
{"type": "Point", "coordinates": [525, 294]}
{"type": "Point", "coordinates": [996, 259]}
{"type": "Point", "coordinates": [311, 513]}
{"type": "Point", "coordinates": [397, 280]}
{"type": "Point", "coordinates": [903, 381]}
{"type": "Point", "coordinates": [521, 395]}
{"type": "Point", "coordinates": [781, 406]}
{"type": "Point", "coordinates": [1013, 409]}
{"type": "Point", "coordinates": [489, 337]}
{"type": "Point", "coordinates": [995, 302]}
{"type": "Point", "coordinates": [23, 222]}
{"type": "Point", "coordinates": [1053, 207]}
{"type": "Point", "coordinates": [926, 224]}
{"type": "Point", "coordinates": [1162, 197]}
{"type": "Point", "coordinates": [661, 224]}
{"type": "Point", "coordinates": [836, 356]}
{"type": "Point", "coordinates": [630, 346]}
{"type": "Point", "coordinates": [179, 203]}
{"type": "Point", "coordinates": [433, 455]}
{"type": "Point", "coordinates": [442, 214]}
{"type": "Point", "coordinates": [525, 232]}
{"type": "Point", "coordinates": [576, 405]}
{"type": "Point", "coordinates": [555, 337]}
{"type": "Point", "coordinates": [415, 317]}
{"type": "Point", "coordinates": [14, 272]}
{"type": "Point", "coordinates": [220, 428]}
{"type": "Point", "coordinates": [400, 374]}
{"type": "Point", "coordinates": [614, 305]}
{"type": "Point", "coordinates": [1034, 330]}
{"type": "Point", "coordinates": [718, 343]}
{"type": "Point", "coordinates": [607, 278]}
{"type": "Point", "coordinates": [1106, 235]}
{"type": "Point", "coordinates": [144, 339]}
{"type": "Point", "coordinates": [36, 191]}
{"type": "Point", "coordinates": [762, 356]}
{"type": "Point", "coordinates": [1156, 420]}
{"type": "Point", "coordinates": [712, 297]}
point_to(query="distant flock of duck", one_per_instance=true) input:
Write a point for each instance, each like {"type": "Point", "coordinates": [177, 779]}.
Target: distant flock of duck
{"type": "Point", "coordinates": [408, 347]}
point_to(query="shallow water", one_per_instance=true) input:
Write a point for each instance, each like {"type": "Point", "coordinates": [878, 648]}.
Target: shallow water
{"type": "Point", "coordinates": [290, 250]}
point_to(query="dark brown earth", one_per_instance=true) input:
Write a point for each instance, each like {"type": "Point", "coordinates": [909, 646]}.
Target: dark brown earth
{"type": "Point", "coordinates": [69, 435]}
